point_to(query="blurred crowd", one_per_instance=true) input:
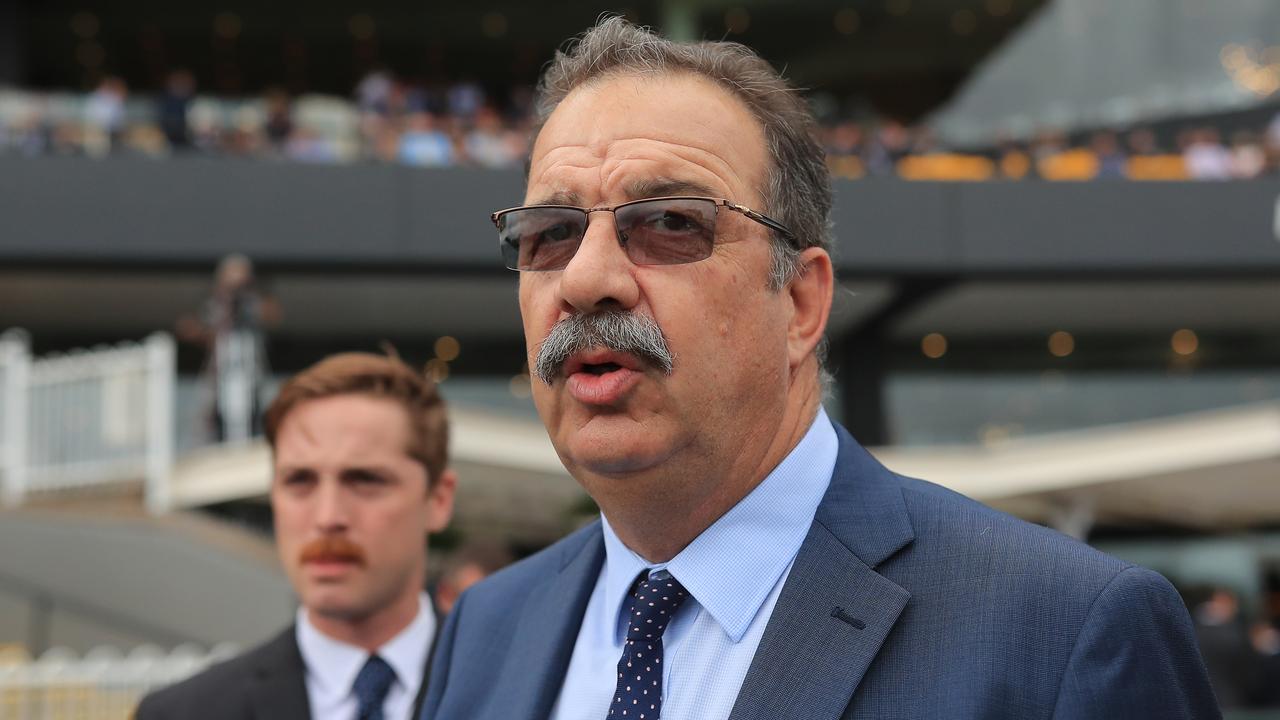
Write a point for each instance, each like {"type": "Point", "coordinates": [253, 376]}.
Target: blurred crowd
{"type": "Point", "coordinates": [387, 119]}
{"type": "Point", "coordinates": [1195, 152]}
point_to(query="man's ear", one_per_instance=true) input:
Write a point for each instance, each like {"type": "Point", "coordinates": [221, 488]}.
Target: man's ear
{"type": "Point", "coordinates": [440, 500]}
{"type": "Point", "coordinates": [810, 291]}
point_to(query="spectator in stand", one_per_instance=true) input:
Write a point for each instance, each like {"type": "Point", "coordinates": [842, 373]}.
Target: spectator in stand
{"type": "Point", "coordinates": [173, 106]}
{"type": "Point", "coordinates": [845, 149]}
{"type": "Point", "coordinates": [465, 99]}
{"type": "Point", "coordinates": [1271, 143]}
{"type": "Point", "coordinates": [1205, 155]}
{"type": "Point", "coordinates": [1112, 163]}
{"type": "Point", "coordinates": [1248, 158]}
{"type": "Point", "coordinates": [104, 116]}
{"type": "Point", "coordinates": [424, 143]}
{"type": "Point", "coordinates": [1142, 142]}
{"type": "Point", "coordinates": [487, 144]}
{"type": "Point", "coordinates": [1013, 160]}
{"type": "Point", "coordinates": [279, 123]}
{"type": "Point", "coordinates": [890, 144]}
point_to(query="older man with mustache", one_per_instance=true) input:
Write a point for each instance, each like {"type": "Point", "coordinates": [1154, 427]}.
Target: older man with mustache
{"type": "Point", "coordinates": [360, 478]}
{"type": "Point", "coordinates": [751, 561]}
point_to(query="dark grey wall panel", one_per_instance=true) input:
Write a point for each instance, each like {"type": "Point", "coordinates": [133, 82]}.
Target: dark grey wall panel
{"type": "Point", "coordinates": [196, 209]}
{"type": "Point", "coordinates": [1118, 226]}
{"type": "Point", "coordinates": [448, 213]}
{"type": "Point", "coordinates": [891, 225]}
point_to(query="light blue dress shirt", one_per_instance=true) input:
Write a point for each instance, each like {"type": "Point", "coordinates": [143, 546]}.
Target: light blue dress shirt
{"type": "Point", "coordinates": [733, 571]}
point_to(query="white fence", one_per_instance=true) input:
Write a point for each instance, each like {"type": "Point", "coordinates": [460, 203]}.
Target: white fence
{"type": "Point", "coordinates": [86, 419]}
{"type": "Point", "coordinates": [103, 685]}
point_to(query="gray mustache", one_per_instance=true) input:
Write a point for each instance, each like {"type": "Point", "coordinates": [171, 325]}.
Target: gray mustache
{"type": "Point", "coordinates": [617, 330]}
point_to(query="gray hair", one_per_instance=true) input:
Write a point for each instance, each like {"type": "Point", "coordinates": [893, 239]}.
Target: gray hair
{"type": "Point", "coordinates": [797, 189]}
{"type": "Point", "coordinates": [618, 330]}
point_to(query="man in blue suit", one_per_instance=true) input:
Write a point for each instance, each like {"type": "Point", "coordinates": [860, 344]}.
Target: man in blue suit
{"type": "Point", "coordinates": [752, 562]}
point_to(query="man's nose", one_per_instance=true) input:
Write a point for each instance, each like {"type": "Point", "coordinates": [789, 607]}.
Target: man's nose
{"type": "Point", "coordinates": [600, 274]}
{"type": "Point", "coordinates": [331, 512]}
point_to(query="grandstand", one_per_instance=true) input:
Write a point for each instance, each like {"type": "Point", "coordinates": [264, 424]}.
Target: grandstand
{"type": "Point", "coordinates": [1097, 355]}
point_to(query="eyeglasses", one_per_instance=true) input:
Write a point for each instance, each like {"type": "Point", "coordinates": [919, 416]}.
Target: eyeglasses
{"type": "Point", "coordinates": [654, 231]}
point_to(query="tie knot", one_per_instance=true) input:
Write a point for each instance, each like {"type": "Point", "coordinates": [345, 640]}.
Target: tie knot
{"type": "Point", "coordinates": [654, 602]}
{"type": "Point", "coordinates": [371, 686]}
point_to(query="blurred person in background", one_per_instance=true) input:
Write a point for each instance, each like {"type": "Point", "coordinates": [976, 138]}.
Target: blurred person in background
{"type": "Point", "coordinates": [360, 478]}
{"type": "Point", "coordinates": [1142, 143]}
{"type": "Point", "coordinates": [424, 143]}
{"type": "Point", "coordinates": [1206, 157]}
{"type": "Point", "coordinates": [1248, 157]}
{"type": "Point", "coordinates": [1265, 681]}
{"type": "Point", "coordinates": [278, 127]}
{"type": "Point", "coordinates": [487, 143]}
{"type": "Point", "coordinates": [104, 116]}
{"type": "Point", "coordinates": [1224, 643]}
{"type": "Point", "coordinates": [1112, 162]}
{"type": "Point", "coordinates": [232, 327]}
{"type": "Point", "coordinates": [172, 108]}
{"type": "Point", "coordinates": [751, 559]}
{"type": "Point", "coordinates": [465, 568]}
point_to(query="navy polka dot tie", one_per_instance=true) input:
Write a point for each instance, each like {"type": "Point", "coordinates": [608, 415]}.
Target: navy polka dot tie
{"type": "Point", "coordinates": [654, 601]}
{"type": "Point", "coordinates": [371, 688]}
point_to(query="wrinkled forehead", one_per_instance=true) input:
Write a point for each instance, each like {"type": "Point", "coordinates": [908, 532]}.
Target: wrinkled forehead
{"type": "Point", "coordinates": [615, 133]}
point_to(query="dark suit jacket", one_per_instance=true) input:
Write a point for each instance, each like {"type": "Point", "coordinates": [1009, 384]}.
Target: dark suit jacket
{"type": "Point", "coordinates": [265, 683]}
{"type": "Point", "coordinates": [906, 600]}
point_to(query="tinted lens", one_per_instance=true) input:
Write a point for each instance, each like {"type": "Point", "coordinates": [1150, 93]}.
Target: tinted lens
{"type": "Point", "coordinates": [540, 238]}
{"type": "Point", "coordinates": [667, 231]}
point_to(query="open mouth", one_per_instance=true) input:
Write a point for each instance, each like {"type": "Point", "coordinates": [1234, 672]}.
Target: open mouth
{"type": "Point", "coordinates": [600, 368]}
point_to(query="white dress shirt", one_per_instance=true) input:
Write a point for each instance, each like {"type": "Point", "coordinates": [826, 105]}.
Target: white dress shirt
{"type": "Point", "coordinates": [332, 666]}
{"type": "Point", "coordinates": [733, 572]}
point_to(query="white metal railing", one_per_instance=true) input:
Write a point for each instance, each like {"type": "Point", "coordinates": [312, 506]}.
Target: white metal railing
{"type": "Point", "coordinates": [105, 684]}
{"type": "Point", "coordinates": [86, 419]}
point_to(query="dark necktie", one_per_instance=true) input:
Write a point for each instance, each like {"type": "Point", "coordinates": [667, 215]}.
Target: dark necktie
{"type": "Point", "coordinates": [654, 600]}
{"type": "Point", "coordinates": [371, 688]}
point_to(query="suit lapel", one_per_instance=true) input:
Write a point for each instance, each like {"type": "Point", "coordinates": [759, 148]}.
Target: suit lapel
{"type": "Point", "coordinates": [548, 629]}
{"type": "Point", "coordinates": [834, 611]}
{"type": "Point", "coordinates": [279, 690]}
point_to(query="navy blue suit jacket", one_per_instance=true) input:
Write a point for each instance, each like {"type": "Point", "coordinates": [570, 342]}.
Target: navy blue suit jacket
{"type": "Point", "coordinates": [906, 600]}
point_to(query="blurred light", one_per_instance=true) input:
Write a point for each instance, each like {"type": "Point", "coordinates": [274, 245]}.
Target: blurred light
{"type": "Point", "coordinates": [520, 386]}
{"type": "Point", "coordinates": [362, 27]}
{"type": "Point", "coordinates": [999, 8]}
{"type": "Point", "coordinates": [934, 345]}
{"type": "Point", "coordinates": [227, 25]}
{"type": "Point", "coordinates": [493, 24]}
{"type": "Point", "coordinates": [1184, 342]}
{"type": "Point", "coordinates": [963, 22]}
{"type": "Point", "coordinates": [898, 7]}
{"type": "Point", "coordinates": [1257, 73]}
{"type": "Point", "coordinates": [737, 20]}
{"type": "Point", "coordinates": [847, 21]}
{"type": "Point", "coordinates": [90, 54]}
{"type": "Point", "coordinates": [437, 370]}
{"type": "Point", "coordinates": [1061, 344]}
{"type": "Point", "coordinates": [84, 24]}
{"type": "Point", "coordinates": [447, 348]}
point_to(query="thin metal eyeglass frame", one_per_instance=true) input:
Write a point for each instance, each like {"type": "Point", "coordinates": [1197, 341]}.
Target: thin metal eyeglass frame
{"type": "Point", "coordinates": [717, 202]}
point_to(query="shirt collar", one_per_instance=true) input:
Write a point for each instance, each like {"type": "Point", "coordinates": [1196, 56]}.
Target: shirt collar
{"type": "Point", "coordinates": [733, 565]}
{"type": "Point", "coordinates": [334, 664]}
